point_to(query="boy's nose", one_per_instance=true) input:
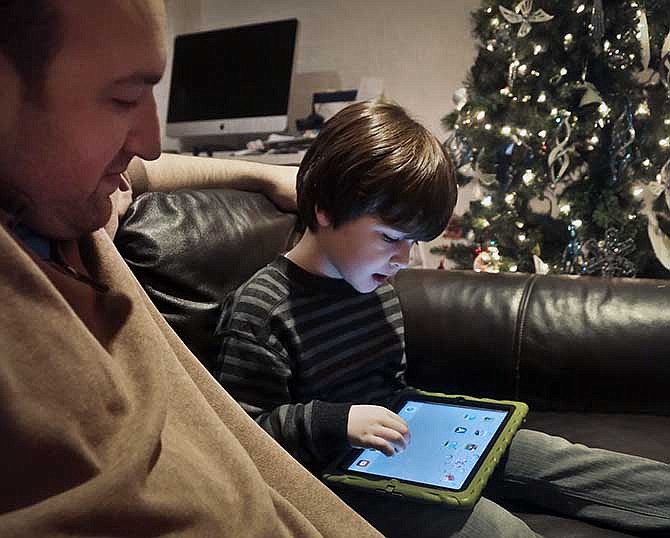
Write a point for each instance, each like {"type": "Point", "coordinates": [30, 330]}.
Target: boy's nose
{"type": "Point", "coordinates": [400, 259]}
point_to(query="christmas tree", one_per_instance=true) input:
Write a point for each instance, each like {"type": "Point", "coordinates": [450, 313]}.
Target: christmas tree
{"type": "Point", "coordinates": [564, 128]}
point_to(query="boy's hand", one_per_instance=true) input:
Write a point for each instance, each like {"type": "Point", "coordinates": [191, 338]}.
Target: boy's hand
{"type": "Point", "coordinates": [373, 426]}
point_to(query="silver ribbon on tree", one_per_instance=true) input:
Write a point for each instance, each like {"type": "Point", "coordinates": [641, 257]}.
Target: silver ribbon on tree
{"type": "Point", "coordinates": [558, 160]}
{"type": "Point", "coordinates": [473, 170]}
{"type": "Point", "coordinates": [524, 15]}
{"type": "Point", "coordinates": [660, 242]}
{"type": "Point", "coordinates": [649, 76]}
{"type": "Point", "coordinates": [459, 149]}
{"type": "Point", "coordinates": [623, 136]}
{"type": "Point", "coordinates": [597, 27]}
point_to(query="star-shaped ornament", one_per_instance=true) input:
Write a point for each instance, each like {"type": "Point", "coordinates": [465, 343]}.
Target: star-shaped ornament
{"type": "Point", "coordinates": [523, 14]}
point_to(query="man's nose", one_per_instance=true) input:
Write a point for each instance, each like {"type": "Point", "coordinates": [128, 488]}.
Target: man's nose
{"type": "Point", "coordinates": [144, 138]}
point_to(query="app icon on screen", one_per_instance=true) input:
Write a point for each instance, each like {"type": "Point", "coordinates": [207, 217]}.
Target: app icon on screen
{"type": "Point", "coordinates": [469, 416]}
{"type": "Point", "coordinates": [410, 409]}
{"type": "Point", "coordinates": [481, 433]}
{"type": "Point", "coordinates": [461, 429]}
{"type": "Point", "coordinates": [449, 477]}
{"type": "Point", "coordinates": [471, 447]}
{"type": "Point", "coordinates": [488, 419]}
{"type": "Point", "coordinates": [363, 463]}
{"type": "Point", "coordinates": [451, 444]}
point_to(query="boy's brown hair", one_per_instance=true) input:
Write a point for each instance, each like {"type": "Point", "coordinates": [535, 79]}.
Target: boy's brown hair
{"type": "Point", "coordinates": [371, 158]}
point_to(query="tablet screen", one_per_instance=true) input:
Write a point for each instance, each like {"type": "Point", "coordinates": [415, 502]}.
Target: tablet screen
{"type": "Point", "coordinates": [448, 443]}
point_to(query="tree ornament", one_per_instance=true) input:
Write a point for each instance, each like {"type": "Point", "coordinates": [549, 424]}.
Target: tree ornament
{"type": "Point", "coordinates": [460, 98]}
{"type": "Point", "coordinates": [473, 171]}
{"type": "Point", "coordinates": [664, 68]}
{"type": "Point", "coordinates": [660, 242]}
{"type": "Point", "coordinates": [648, 76]}
{"type": "Point", "coordinates": [522, 15]}
{"type": "Point", "coordinates": [558, 160]}
{"type": "Point", "coordinates": [623, 136]}
{"type": "Point", "coordinates": [645, 45]}
{"type": "Point", "coordinates": [590, 95]}
{"type": "Point", "coordinates": [541, 268]}
{"type": "Point", "coordinates": [511, 161]}
{"type": "Point", "coordinates": [460, 151]}
{"type": "Point", "coordinates": [608, 256]}
{"type": "Point", "coordinates": [571, 254]}
{"type": "Point", "coordinates": [597, 26]}
{"type": "Point", "coordinates": [488, 260]}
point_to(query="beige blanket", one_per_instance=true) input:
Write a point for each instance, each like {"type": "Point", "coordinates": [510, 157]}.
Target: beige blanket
{"type": "Point", "coordinates": [109, 426]}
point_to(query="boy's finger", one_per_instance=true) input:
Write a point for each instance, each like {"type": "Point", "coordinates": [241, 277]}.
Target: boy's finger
{"type": "Point", "coordinates": [397, 423]}
{"type": "Point", "coordinates": [384, 446]}
{"type": "Point", "coordinates": [398, 440]}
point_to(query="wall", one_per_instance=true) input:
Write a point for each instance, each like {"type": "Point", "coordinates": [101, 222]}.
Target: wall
{"type": "Point", "coordinates": [421, 50]}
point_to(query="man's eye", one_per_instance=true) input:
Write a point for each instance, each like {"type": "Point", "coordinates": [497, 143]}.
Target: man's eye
{"type": "Point", "coordinates": [390, 239]}
{"type": "Point", "coordinates": [124, 103]}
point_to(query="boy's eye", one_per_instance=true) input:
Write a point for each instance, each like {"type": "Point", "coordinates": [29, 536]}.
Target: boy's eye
{"type": "Point", "coordinates": [390, 239]}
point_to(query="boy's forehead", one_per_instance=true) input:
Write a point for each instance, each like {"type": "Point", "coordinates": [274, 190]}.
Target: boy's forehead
{"type": "Point", "coordinates": [384, 225]}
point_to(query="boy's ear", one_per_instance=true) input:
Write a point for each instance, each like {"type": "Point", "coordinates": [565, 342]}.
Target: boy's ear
{"type": "Point", "coordinates": [322, 218]}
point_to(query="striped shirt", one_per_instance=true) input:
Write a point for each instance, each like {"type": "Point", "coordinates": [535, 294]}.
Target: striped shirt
{"type": "Point", "coordinates": [297, 350]}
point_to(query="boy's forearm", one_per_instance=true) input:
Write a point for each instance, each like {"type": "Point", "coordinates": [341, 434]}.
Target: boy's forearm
{"type": "Point", "coordinates": [313, 432]}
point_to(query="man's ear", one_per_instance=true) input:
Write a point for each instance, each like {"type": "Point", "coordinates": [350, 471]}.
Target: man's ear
{"type": "Point", "coordinates": [322, 218]}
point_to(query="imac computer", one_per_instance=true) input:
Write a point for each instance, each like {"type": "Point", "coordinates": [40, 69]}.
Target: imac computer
{"type": "Point", "coordinates": [230, 84]}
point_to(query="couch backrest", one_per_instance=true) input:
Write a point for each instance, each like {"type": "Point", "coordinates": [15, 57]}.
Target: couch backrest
{"type": "Point", "coordinates": [557, 342]}
{"type": "Point", "coordinates": [190, 248]}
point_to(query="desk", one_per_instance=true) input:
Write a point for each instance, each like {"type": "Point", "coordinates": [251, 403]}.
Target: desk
{"type": "Point", "coordinates": [291, 159]}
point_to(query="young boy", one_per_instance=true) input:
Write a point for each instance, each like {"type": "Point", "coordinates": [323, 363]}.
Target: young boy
{"type": "Point", "coordinates": [313, 344]}
{"type": "Point", "coordinates": [320, 327]}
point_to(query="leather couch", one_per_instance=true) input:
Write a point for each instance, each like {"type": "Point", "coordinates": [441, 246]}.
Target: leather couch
{"type": "Point", "coordinates": [590, 356]}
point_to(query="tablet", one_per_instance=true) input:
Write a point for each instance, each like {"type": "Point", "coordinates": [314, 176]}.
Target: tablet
{"type": "Point", "coordinates": [456, 442]}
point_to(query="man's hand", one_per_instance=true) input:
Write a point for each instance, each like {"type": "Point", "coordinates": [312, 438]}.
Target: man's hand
{"type": "Point", "coordinates": [373, 426]}
{"type": "Point", "coordinates": [281, 189]}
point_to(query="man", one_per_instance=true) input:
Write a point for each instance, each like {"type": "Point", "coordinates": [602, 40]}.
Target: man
{"type": "Point", "coordinates": [109, 425]}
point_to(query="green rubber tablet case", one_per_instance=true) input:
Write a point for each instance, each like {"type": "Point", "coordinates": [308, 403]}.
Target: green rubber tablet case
{"type": "Point", "coordinates": [338, 477]}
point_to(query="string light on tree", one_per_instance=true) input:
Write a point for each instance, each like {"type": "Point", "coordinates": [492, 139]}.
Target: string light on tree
{"type": "Point", "coordinates": [642, 110]}
{"type": "Point", "coordinates": [552, 131]}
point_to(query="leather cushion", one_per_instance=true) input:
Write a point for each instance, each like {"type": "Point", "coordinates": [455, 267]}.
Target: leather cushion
{"type": "Point", "coordinates": [190, 248]}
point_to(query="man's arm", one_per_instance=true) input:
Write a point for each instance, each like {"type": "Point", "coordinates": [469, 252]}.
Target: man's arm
{"type": "Point", "coordinates": [171, 172]}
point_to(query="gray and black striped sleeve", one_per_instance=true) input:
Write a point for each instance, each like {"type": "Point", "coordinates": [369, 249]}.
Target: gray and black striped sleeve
{"type": "Point", "coordinates": [257, 370]}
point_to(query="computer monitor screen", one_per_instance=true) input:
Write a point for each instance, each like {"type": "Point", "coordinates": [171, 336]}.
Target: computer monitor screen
{"type": "Point", "coordinates": [230, 81]}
